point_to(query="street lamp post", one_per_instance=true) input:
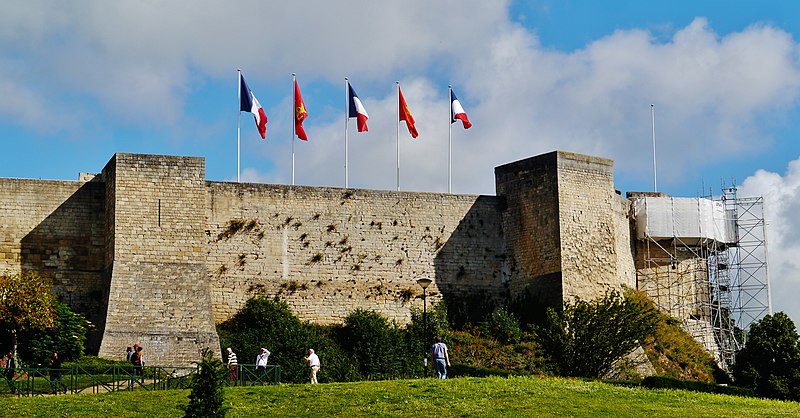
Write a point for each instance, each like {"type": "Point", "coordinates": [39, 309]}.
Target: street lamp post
{"type": "Point", "coordinates": [70, 287]}
{"type": "Point", "coordinates": [424, 282]}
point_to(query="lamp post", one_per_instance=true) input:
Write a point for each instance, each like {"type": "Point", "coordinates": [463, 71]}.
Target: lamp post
{"type": "Point", "coordinates": [424, 282]}
{"type": "Point", "coordinates": [70, 287]}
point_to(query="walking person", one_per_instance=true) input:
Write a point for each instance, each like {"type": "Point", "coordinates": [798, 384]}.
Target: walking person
{"type": "Point", "coordinates": [8, 372]}
{"type": "Point", "coordinates": [137, 359]}
{"type": "Point", "coordinates": [128, 354]}
{"type": "Point", "coordinates": [441, 360]}
{"type": "Point", "coordinates": [261, 363]}
{"type": "Point", "coordinates": [314, 364]}
{"type": "Point", "coordinates": [233, 364]}
{"type": "Point", "coordinates": [56, 384]}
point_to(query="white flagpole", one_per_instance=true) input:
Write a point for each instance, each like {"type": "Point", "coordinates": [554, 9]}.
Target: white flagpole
{"type": "Point", "coordinates": [346, 117]}
{"type": "Point", "coordinates": [653, 120]}
{"type": "Point", "coordinates": [397, 136]}
{"type": "Point", "coordinates": [450, 141]}
{"type": "Point", "coordinates": [239, 125]}
{"type": "Point", "coordinates": [294, 117]}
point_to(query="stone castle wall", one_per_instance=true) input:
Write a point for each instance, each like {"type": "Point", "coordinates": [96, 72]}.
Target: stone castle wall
{"type": "Point", "coordinates": [158, 295]}
{"type": "Point", "coordinates": [165, 254]}
{"type": "Point", "coordinates": [56, 228]}
{"type": "Point", "coordinates": [329, 251]}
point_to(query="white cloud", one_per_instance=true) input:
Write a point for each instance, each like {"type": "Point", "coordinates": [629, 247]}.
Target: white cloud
{"type": "Point", "coordinates": [782, 204]}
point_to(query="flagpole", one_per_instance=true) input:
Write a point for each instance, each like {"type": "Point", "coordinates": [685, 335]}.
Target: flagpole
{"type": "Point", "coordinates": [450, 142]}
{"type": "Point", "coordinates": [653, 120]}
{"type": "Point", "coordinates": [239, 125]}
{"type": "Point", "coordinates": [294, 119]}
{"type": "Point", "coordinates": [346, 117]}
{"type": "Point", "coordinates": [397, 135]}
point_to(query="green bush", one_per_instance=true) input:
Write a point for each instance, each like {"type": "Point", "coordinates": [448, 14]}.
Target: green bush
{"type": "Point", "coordinates": [378, 347]}
{"type": "Point", "coordinates": [207, 397]}
{"type": "Point", "coordinates": [68, 338]}
{"type": "Point", "coordinates": [270, 323]}
{"type": "Point", "coordinates": [587, 337]}
{"type": "Point", "coordinates": [503, 326]}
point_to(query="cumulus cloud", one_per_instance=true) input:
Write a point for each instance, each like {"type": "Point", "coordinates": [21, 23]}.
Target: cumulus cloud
{"type": "Point", "coordinates": [781, 194]}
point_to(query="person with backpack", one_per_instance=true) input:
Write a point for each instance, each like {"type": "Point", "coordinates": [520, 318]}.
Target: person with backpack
{"type": "Point", "coordinates": [137, 360]}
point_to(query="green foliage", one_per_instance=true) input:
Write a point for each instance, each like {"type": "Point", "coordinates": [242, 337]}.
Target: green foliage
{"type": "Point", "coordinates": [475, 355]}
{"type": "Point", "coordinates": [207, 397]}
{"type": "Point", "coordinates": [26, 303]}
{"type": "Point", "coordinates": [503, 326]}
{"type": "Point", "coordinates": [270, 323]}
{"type": "Point", "coordinates": [374, 344]}
{"type": "Point", "coordinates": [68, 338]}
{"type": "Point", "coordinates": [770, 361]}
{"type": "Point", "coordinates": [587, 337]}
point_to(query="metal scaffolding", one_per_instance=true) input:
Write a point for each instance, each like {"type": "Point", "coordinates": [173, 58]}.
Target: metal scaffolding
{"type": "Point", "coordinates": [749, 276]}
{"type": "Point", "coordinates": [715, 287]}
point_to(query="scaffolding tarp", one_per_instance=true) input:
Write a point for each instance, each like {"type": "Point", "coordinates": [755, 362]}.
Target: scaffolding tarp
{"type": "Point", "coordinates": [691, 220]}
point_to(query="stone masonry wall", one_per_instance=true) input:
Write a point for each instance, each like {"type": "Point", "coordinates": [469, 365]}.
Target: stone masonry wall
{"type": "Point", "coordinates": [55, 228]}
{"type": "Point", "coordinates": [588, 224]}
{"type": "Point", "coordinates": [528, 190]}
{"type": "Point", "coordinates": [329, 251]}
{"type": "Point", "coordinates": [158, 294]}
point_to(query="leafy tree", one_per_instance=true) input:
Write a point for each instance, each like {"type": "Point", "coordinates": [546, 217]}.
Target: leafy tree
{"type": "Point", "coordinates": [207, 396]}
{"type": "Point", "coordinates": [587, 337]}
{"type": "Point", "coordinates": [68, 338]}
{"type": "Point", "coordinates": [26, 303]}
{"type": "Point", "coordinates": [769, 363]}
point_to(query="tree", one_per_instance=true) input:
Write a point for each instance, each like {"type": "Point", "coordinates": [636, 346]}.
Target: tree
{"type": "Point", "coordinates": [26, 303]}
{"type": "Point", "coordinates": [68, 338]}
{"type": "Point", "coordinates": [587, 337]}
{"type": "Point", "coordinates": [208, 396]}
{"type": "Point", "coordinates": [769, 363]}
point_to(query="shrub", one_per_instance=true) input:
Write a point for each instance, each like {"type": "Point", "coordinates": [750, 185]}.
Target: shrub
{"type": "Point", "coordinates": [503, 326]}
{"type": "Point", "coordinates": [376, 346]}
{"type": "Point", "coordinates": [68, 338]}
{"type": "Point", "coordinates": [207, 396]}
{"type": "Point", "coordinates": [587, 337]}
{"type": "Point", "coordinates": [270, 323]}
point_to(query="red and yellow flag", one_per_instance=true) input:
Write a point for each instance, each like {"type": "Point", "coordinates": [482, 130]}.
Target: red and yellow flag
{"type": "Point", "coordinates": [405, 115]}
{"type": "Point", "coordinates": [300, 113]}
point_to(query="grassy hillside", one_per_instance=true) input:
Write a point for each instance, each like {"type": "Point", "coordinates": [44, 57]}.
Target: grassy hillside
{"type": "Point", "coordinates": [494, 396]}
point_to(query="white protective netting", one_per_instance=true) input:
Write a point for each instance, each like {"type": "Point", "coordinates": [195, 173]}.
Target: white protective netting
{"type": "Point", "coordinates": [691, 220]}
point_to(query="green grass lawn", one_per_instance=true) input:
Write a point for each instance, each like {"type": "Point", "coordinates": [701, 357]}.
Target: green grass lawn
{"type": "Point", "coordinates": [494, 396]}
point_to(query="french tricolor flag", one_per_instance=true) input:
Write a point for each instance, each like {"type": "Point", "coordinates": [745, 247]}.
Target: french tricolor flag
{"type": "Point", "coordinates": [249, 103]}
{"type": "Point", "coordinates": [356, 109]}
{"type": "Point", "coordinates": [457, 112]}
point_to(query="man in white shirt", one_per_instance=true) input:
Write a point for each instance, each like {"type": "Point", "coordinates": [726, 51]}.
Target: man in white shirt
{"type": "Point", "coordinates": [261, 363]}
{"type": "Point", "coordinates": [313, 362]}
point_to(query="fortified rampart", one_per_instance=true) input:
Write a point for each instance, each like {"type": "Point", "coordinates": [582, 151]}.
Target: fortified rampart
{"type": "Point", "coordinates": [160, 255]}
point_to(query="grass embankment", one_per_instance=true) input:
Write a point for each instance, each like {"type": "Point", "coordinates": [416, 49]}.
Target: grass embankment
{"type": "Point", "coordinates": [494, 396]}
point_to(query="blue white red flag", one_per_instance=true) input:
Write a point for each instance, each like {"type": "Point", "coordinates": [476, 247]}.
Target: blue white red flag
{"type": "Point", "coordinates": [249, 103]}
{"type": "Point", "coordinates": [356, 109]}
{"type": "Point", "coordinates": [457, 112]}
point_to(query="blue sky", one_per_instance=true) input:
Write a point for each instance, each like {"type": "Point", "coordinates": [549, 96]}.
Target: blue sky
{"type": "Point", "coordinates": [82, 80]}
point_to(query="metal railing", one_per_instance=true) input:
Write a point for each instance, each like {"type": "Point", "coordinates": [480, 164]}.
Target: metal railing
{"type": "Point", "coordinates": [90, 378]}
